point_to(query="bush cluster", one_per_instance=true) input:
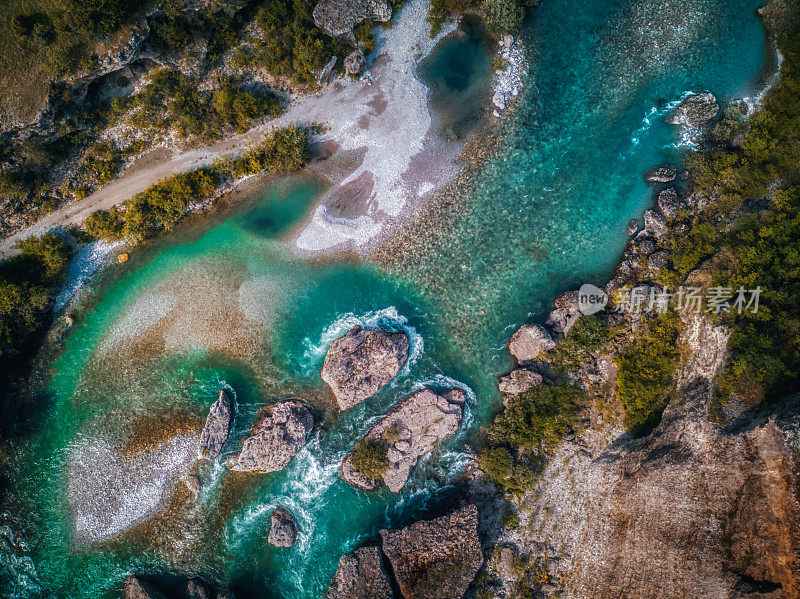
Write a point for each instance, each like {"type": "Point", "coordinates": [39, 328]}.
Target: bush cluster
{"type": "Point", "coordinates": [369, 458]}
{"type": "Point", "coordinates": [752, 175]}
{"type": "Point", "coordinates": [27, 287]}
{"type": "Point", "coordinates": [646, 369]}
{"type": "Point", "coordinates": [519, 438]}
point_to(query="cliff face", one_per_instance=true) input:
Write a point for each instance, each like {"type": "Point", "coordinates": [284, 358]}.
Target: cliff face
{"type": "Point", "coordinates": [693, 510]}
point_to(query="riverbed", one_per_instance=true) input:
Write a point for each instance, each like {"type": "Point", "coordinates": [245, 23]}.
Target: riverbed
{"type": "Point", "coordinates": [230, 304]}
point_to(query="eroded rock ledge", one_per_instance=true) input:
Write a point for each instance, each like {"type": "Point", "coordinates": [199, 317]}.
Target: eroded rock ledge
{"type": "Point", "coordinates": [432, 559]}
{"type": "Point", "coordinates": [217, 427]}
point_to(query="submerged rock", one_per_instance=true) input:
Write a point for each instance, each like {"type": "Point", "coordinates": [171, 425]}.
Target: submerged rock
{"type": "Point", "coordinates": [435, 559]}
{"type": "Point", "coordinates": [663, 173]}
{"type": "Point", "coordinates": [111, 491]}
{"type": "Point", "coordinates": [218, 425]}
{"type": "Point", "coordinates": [360, 575]}
{"type": "Point", "coordinates": [355, 62]}
{"type": "Point", "coordinates": [695, 111]}
{"type": "Point", "coordinates": [530, 341]}
{"type": "Point", "coordinates": [338, 17]}
{"type": "Point", "coordinates": [518, 381]}
{"type": "Point", "coordinates": [276, 440]}
{"type": "Point", "coordinates": [363, 361]}
{"type": "Point", "coordinates": [282, 531]}
{"type": "Point", "coordinates": [418, 425]}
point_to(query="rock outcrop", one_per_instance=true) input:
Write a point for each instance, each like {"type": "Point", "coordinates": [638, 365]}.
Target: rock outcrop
{"type": "Point", "coordinates": [360, 575]}
{"type": "Point", "coordinates": [565, 314]}
{"type": "Point", "coordinates": [695, 111]}
{"type": "Point", "coordinates": [518, 381]}
{"type": "Point", "coordinates": [663, 173]}
{"type": "Point", "coordinates": [529, 342]}
{"type": "Point", "coordinates": [355, 62]}
{"type": "Point", "coordinates": [217, 427]}
{"type": "Point", "coordinates": [696, 509]}
{"type": "Point", "coordinates": [282, 530]}
{"type": "Point", "coordinates": [276, 440]}
{"type": "Point", "coordinates": [435, 559]}
{"type": "Point", "coordinates": [193, 588]}
{"type": "Point", "coordinates": [363, 361]}
{"type": "Point", "coordinates": [338, 17]}
{"type": "Point", "coordinates": [670, 203]}
{"type": "Point", "coordinates": [418, 425]}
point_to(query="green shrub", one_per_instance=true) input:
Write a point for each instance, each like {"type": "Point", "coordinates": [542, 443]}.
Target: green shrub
{"type": "Point", "coordinates": [588, 335]}
{"type": "Point", "coordinates": [27, 286]}
{"type": "Point", "coordinates": [532, 424]}
{"type": "Point", "coordinates": [369, 458]}
{"type": "Point", "coordinates": [646, 368]}
{"type": "Point", "coordinates": [105, 224]}
{"type": "Point", "coordinates": [503, 16]}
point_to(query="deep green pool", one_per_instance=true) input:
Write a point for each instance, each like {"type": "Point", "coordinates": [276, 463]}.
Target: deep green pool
{"type": "Point", "coordinates": [232, 306]}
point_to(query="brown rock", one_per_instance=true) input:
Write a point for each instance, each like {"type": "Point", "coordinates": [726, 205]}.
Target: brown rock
{"type": "Point", "coordinates": [518, 381]}
{"type": "Point", "coordinates": [363, 361]}
{"type": "Point", "coordinates": [218, 425]}
{"type": "Point", "coordinates": [435, 559]}
{"type": "Point", "coordinates": [695, 111]}
{"type": "Point", "coordinates": [360, 576]}
{"type": "Point", "coordinates": [338, 17]}
{"type": "Point", "coordinates": [276, 440]}
{"type": "Point", "coordinates": [136, 588]}
{"type": "Point", "coordinates": [282, 531]}
{"type": "Point", "coordinates": [420, 423]}
{"type": "Point", "coordinates": [661, 174]}
{"type": "Point", "coordinates": [530, 341]}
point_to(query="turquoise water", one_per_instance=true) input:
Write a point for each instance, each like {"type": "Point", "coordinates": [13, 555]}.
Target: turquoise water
{"type": "Point", "coordinates": [231, 306]}
{"type": "Point", "coordinates": [458, 73]}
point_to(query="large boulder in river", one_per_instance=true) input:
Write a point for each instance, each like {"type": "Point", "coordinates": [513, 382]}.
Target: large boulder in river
{"type": "Point", "coordinates": [338, 17]}
{"type": "Point", "coordinates": [360, 576]}
{"type": "Point", "coordinates": [418, 425]}
{"type": "Point", "coordinates": [696, 110]}
{"type": "Point", "coordinates": [282, 531]}
{"type": "Point", "coordinates": [218, 425]}
{"type": "Point", "coordinates": [435, 559]}
{"type": "Point", "coordinates": [363, 361]}
{"type": "Point", "coordinates": [530, 341]}
{"type": "Point", "coordinates": [276, 440]}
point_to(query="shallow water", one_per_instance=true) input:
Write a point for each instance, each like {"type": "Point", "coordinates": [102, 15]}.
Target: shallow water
{"type": "Point", "coordinates": [231, 306]}
{"type": "Point", "coordinates": [458, 73]}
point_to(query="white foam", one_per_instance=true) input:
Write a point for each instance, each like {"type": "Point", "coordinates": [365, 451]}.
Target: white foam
{"type": "Point", "coordinates": [654, 115]}
{"type": "Point", "coordinates": [84, 264]}
{"type": "Point", "coordinates": [387, 318]}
